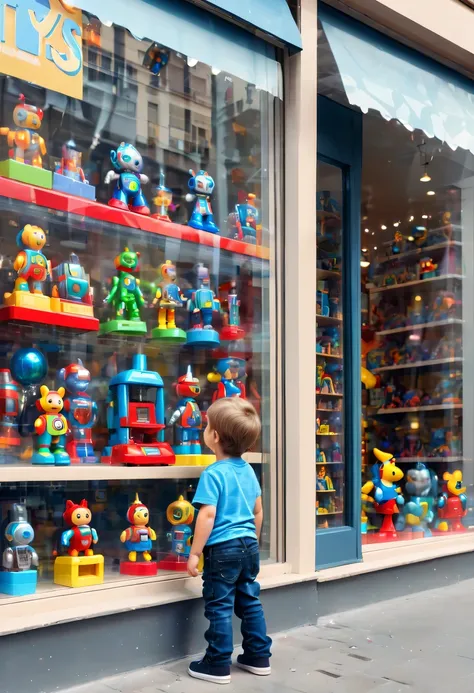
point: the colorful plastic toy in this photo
(232, 331)
(202, 304)
(324, 383)
(201, 185)
(125, 297)
(138, 540)
(19, 558)
(386, 495)
(69, 176)
(248, 219)
(75, 570)
(169, 298)
(29, 368)
(156, 58)
(180, 514)
(80, 412)
(162, 200)
(397, 245)
(71, 292)
(452, 504)
(421, 487)
(427, 268)
(26, 147)
(127, 165)
(9, 410)
(225, 373)
(51, 428)
(136, 418)
(322, 299)
(32, 270)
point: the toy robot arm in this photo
(66, 537)
(40, 425)
(378, 495)
(152, 534)
(34, 557)
(111, 176)
(367, 487)
(158, 295)
(463, 499)
(113, 290)
(144, 178)
(95, 536)
(94, 413)
(8, 559)
(175, 415)
(442, 501)
(42, 145)
(4, 131)
(139, 295)
(19, 262)
(125, 535)
(190, 197)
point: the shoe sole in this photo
(258, 671)
(208, 677)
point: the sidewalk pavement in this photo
(423, 643)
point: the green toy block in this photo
(170, 335)
(26, 173)
(131, 327)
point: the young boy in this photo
(227, 531)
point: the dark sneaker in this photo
(208, 672)
(255, 665)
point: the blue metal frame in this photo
(340, 144)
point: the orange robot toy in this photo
(25, 145)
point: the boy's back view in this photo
(227, 531)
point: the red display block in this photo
(172, 562)
(146, 454)
(47, 317)
(232, 333)
(141, 569)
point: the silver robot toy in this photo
(19, 533)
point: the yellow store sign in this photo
(41, 42)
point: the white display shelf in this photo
(418, 251)
(329, 394)
(328, 274)
(329, 464)
(428, 407)
(336, 512)
(328, 435)
(418, 364)
(336, 357)
(417, 282)
(326, 321)
(327, 490)
(423, 326)
(430, 460)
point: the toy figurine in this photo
(136, 418)
(225, 374)
(202, 304)
(80, 412)
(71, 292)
(31, 265)
(420, 235)
(128, 164)
(29, 368)
(322, 300)
(80, 537)
(156, 58)
(180, 514)
(387, 496)
(323, 481)
(324, 383)
(138, 540)
(320, 455)
(248, 219)
(418, 513)
(125, 296)
(19, 558)
(162, 200)
(452, 504)
(9, 410)
(427, 268)
(51, 428)
(232, 331)
(169, 298)
(201, 185)
(397, 245)
(69, 176)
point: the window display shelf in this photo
(327, 490)
(430, 460)
(417, 282)
(336, 512)
(326, 321)
(328, 464)
(329, 356)
(423, 326)
(427, 408)
(418, 251)
(328, 274)
(418, 364)
(61, 202)
(329, 394)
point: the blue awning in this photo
(381, 74)
(195, 33)
(272, 17)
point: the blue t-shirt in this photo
(232, 487)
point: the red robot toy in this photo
(452, 504)
(80, 537)
(9, 410)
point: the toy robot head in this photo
(228, 368)
(19, 532)
(128, 261)
(27, 116)
(187, 385)
(138, 514)
(31, 238)
(180, 512)
(168, 271)
(77, 514)
(419, 481)
(71, 153)
(201, 183)
(202, 274)
(51, 401)
(126, 158)
(387, 469)
(454, 483)
(75, 377)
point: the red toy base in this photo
(232, 333)
(47, 317)
(141, 569)
(173, 563)
(150, 454)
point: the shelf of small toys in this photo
(420, 283)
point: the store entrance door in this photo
(338, 319)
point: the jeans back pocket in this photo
(229, 569)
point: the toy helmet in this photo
(75, 369)
(187, 384)
(180, 512)
(29, 107)
(71, 507)
(136, 505)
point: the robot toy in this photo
(248, 220)
(226, 374)
(138, 540)
(387, 496)
(71, 292)
(180, 514)
(421, 488)
(452, 504)
(156, 58)
(162, 200)
(125, 296)
(127, 165)
(19, 558)
(201, 185)
(80, 537)
(168, 297)
(51, 428)
(31, 265)
(202, 304)
(232, 331)
(80, 412)
(26, 145)
(9, 410)
(69, 176)
(186, 418)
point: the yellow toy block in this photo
(24, 299)
(194, 460)
(79, 571)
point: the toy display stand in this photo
(71, 186)
(19, 583)
(24, 306)
(194, 460)
(173, 562)
(232, 333)
(139, 454)
(75, 309)
(201, 338)
(139, 568)
(172, 335)
(79, 571)
(131, 327)
(33, 175)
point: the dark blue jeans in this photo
(229, 585)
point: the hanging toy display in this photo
(19, 558)
(51, 428)
(127, 173)
(138, 538)
(201, 185)
(125, 297)
(180, 514)
(201, 306)
(169, 298)
(387, 495)
(80, 411)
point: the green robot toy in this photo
(125, 297)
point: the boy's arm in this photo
(258, 515)
(204, 526)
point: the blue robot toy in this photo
(226, 372)
(421, 489)
(127, 172)
(28, 367)
(202, 304)
(201, 185)
(187, 418)
(180, 514)
(248, 220)
(80, 412)
(19, 558)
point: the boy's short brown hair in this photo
(236, 422)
